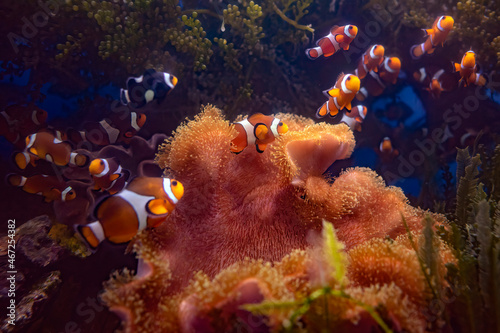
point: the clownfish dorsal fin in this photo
(260, 131)
(332, 30)
(157, 207)
(255, 116)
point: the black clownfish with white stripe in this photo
(150, 87)
(108, 175)
(144, 203)
(374, 84)
(259, 130)
(114, 129)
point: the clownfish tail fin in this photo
(314, 53)
(91, 234)
(322, 111)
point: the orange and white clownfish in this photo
(355, 117)
(375, 83)
(387, 150)
(389, 70)
(435, 80)
(115, 129)
(144, 203)
(436, 36)
(338, 38)
(340, 95)
(258, 130)
(370, 60)
(468, 70)
(107, 175)
(48, 186)
(45, 145)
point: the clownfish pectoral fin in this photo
(114, 176)
(358, 119)
(157, 207)
(349, 106)
(428, 32)
(339, 38)
(260, 131)
(375, 69)
(332, 92)
(261, 147)
(346, 47)
(457, 67)
(33, 151)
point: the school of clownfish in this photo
(375, 72)
(144, 202)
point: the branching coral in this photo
(250, 205)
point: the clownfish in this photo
(338, 38)
(468, 70)
(387, 150)
(257, 129)
(144, 203)
(370, 60)
(17, 121)
(149, 87)
(340, 95)
(435, 80)
(107, 175)
(375, 84)
(45, 145)
(355, 117)
(435, 36)
(112, 130)
(389, 70)
(48, 186)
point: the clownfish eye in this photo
(348, 78)
(350, 27)
(101, 163)
(174, 182)
(71, 193)
(389, 61)
(442, 17)
(280, 124)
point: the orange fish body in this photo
(338, 38)
(355, 117)
(387, 150)
(145, 203)
(435, 80)
(340, 95)
(468, 70)
(389, 70)
(435, 36)
(107, 175)
(45, 145)
(48, 186)
(258, 130)
(370, 60)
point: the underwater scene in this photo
(250, 166)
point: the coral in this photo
(33, 303)
(65, 237)
(250, 205)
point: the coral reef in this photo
(250, 205)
